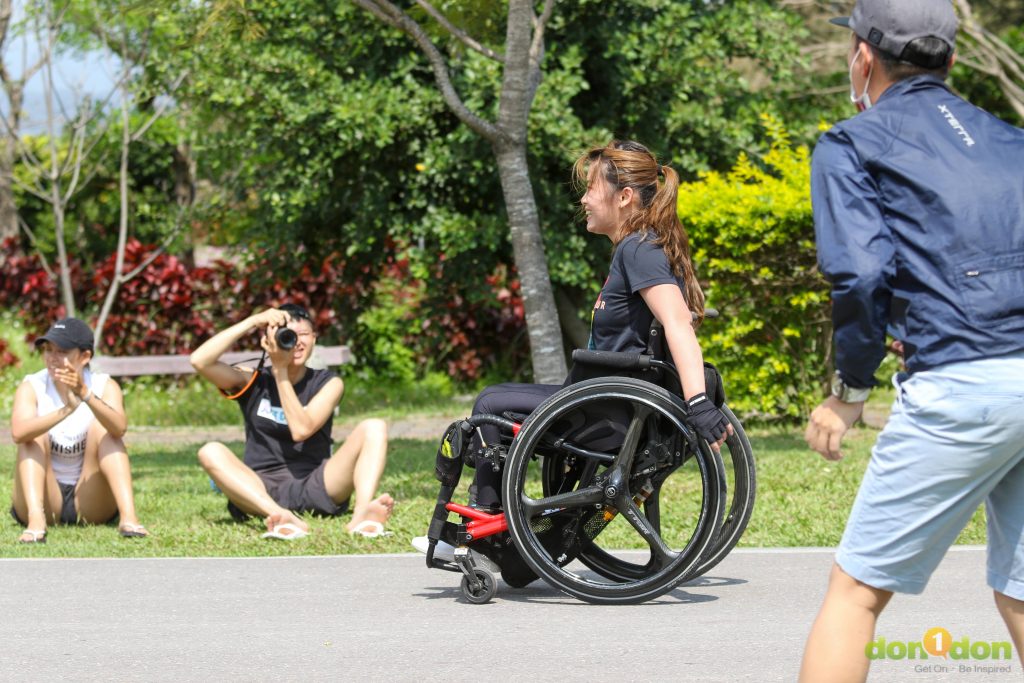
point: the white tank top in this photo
(67, 438)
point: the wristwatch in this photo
(847, 394)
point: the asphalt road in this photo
(388, 618)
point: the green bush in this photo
(753, 237)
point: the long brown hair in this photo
(624, 163)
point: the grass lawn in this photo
(802, 500)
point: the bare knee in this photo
(857, 593)
(36, 449)
(1009, 606)
(109, 444)
(99, 443)
(375, 428)
(211, 455)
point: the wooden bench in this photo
(135, 366)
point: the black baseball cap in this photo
(891, 25)
(69, 333)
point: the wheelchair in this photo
(608, 493)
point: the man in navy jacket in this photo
(919, 218)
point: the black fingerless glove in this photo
(708, 420)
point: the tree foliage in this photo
(311, 135)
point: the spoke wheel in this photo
(740, 483)
(561, 500)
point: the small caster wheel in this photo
(484, 592)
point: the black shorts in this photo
(68, 513)
(308, 494)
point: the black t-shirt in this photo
(621, 320)
(268, 443)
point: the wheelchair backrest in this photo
(623, 364)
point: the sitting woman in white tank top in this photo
(68, 423)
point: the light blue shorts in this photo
(955, 438)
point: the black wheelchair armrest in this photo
(617, 360)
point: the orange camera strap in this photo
(255, 374)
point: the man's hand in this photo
(828, 423)
(280, 358)
(897, 348)
(272, 317)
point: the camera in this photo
(286, 338)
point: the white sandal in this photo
(38, 536)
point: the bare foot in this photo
(275, 519)
(377, 510)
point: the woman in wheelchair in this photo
(630, 199)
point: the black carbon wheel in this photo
(609, 442)
(742, 482)
(740, 485)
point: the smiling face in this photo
(604, 205)
(55, 356)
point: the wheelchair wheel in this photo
(744, 487)
(740, 483)
(580, 468)
(485, 589)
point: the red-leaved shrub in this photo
(170, 307)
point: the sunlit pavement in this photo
(387, 617)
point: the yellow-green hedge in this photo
(753, 237)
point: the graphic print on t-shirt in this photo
(71, 452)
(598, 306)
(271, 412)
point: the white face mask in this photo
(863, 101)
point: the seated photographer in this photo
(630, 199)
(288, 409)
(68, 423)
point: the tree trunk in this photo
(8, 152)
(122, 227)
(528, 250)
(8, 209)
(524, 52)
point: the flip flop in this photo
(38, 535)
(369, 528)
(132, 531)
(294, 532)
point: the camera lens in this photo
(286, 338)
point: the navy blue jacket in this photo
(919, 217)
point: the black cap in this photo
(69, 333)
(891, 25)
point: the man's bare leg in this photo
(843, 628)
(243, 487)
(357, 468)
(1012, 611)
